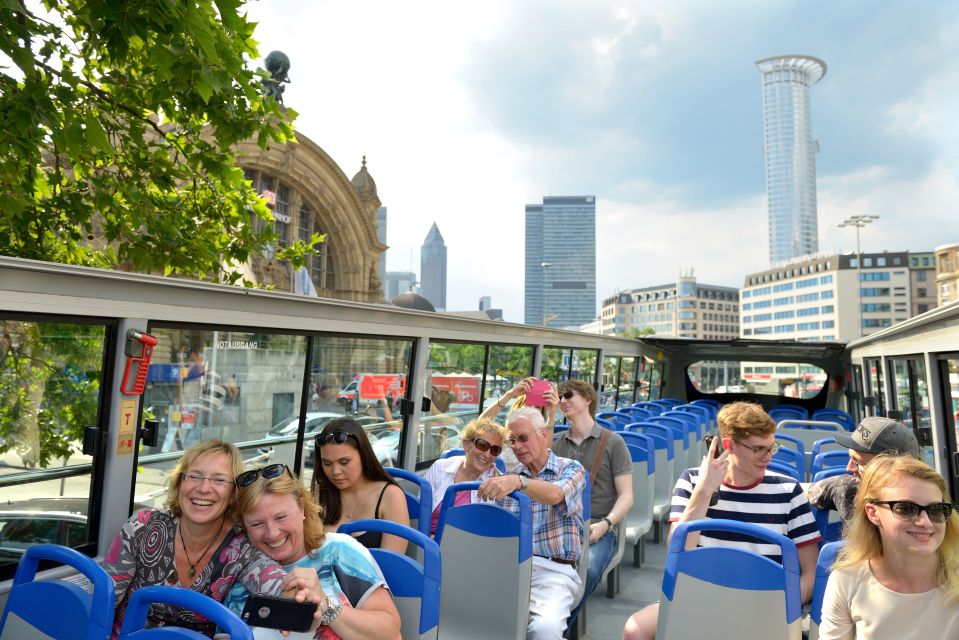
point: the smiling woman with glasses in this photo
(482, 444)
(193, 540)
(349, 483)
(898, 574)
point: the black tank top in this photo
(372, 539)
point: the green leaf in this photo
(96, 135)
(204, 89)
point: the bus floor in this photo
(606, 617)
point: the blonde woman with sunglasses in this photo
(283, 521)
(482, 444)
(898, 574)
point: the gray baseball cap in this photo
(878, 435)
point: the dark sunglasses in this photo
(337, 437)
(566, 395)
(484, 446)
(268, 472)
(512, 440)
(905, 510)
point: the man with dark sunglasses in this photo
(555, 487)
(873, 436)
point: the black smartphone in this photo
(285, 614)
(719, 446)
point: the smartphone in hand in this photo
(285, 614)
(719, 444)
(536, 390)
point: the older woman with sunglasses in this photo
(283, 521)
(482, 443)
(193, 541)
(898, 574)
(349, 483)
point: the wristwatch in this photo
(523, 483)
(333, 608)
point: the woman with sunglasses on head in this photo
(193, 541)
(898, 574)
(283, 521)
(349, 483)
(547, 404)
(482, 444)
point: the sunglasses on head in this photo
(268, 472)
(485, 446)
(337, 437)
(905, 510)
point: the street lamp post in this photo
(859, 222)
(546, 266)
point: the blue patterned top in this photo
(346, 569)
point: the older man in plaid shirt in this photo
(555, 487)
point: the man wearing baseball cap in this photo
(873, 436)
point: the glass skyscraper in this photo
(790, 154)
(433, 269)
(561, 261)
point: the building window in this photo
(920, 276)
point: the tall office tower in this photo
(561, 261)
(790, 154)
(381, 236)
(398, 282)
(485, 303)
(433, 269)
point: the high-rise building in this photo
(561, 261)
(433, 268)
(381, 236)
(398, 282)
(485, 302)
(790, 154)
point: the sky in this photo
(466, 111)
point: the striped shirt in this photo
(556, 528)
(776, 502)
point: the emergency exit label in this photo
(126, 432)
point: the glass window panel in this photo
(874, 386)
(50, 380)
(453, 378)
(627, 383)
(607, 395)
(900, 385)
(584, 365)
(507, 366)
(238, 386)
(364, 378)
(555, 364)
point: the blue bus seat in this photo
(694, 434)
(504, 542)
(830, 460)
(639, 520)
(792, 442)
(618, 420)
(829, 473)
(653, 408)
(680, 443)
(636, 413)
(827, 558)
(829, 524)
(826, 444)
(788, 412)
(787, 469)
(710, 401)
(704, 588)
(139, 606)
(674, 402)
(78, 614)
(415, 586)
(603, 422)
(835, 415)
(663, 440)
(419, 505)
(707, 414)
(560, 428)
(794, 458)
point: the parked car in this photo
(24, 523)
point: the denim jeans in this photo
(600, 555)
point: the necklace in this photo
(205, 551)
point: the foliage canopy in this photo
(117, 121)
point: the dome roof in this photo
(363, 182)
(410, 300)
